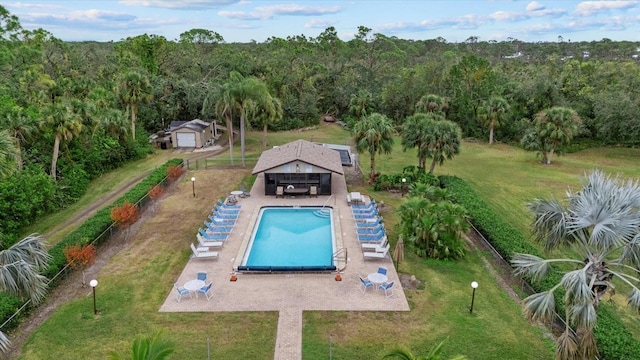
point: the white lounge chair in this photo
(203, 252)
(376, 254)
(208, 243)
(376, 246)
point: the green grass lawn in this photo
(507, 178)
(133, 289)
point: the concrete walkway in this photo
(290, 294)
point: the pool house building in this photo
(298, 165)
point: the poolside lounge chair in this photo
(203, 253)
(367, 206)
(227, 206)
(367, 215)
(364, 284)
(372, 237)
(204, 243)
(280, 191)
(226, 210)
(370, 230)
(364, 208)
(207, 236)
(206, 290)
(181, 292)
(369, 224)
(221, 215)
(375, 246)
(212, 228)
(222, 222)
(313, 191)
(387, 288)
(377, 254)
(371, 212)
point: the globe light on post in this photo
(404, 182)
(93, 283)
(474, 285)
(193, 186)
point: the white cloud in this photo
(588, 8)
(319, 24)
(179, 4)
(20, 5)
(243, 15)
(534, 6)
(298, 10)
(269, 12)
(507, 16)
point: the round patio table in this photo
(194, 285)
(237, 192)
(377, 278)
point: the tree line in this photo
(69, 111)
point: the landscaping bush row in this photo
(614, 341)
(91, 229)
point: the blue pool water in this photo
(291, 237)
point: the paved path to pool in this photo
(289, 294)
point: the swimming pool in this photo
(291, 239)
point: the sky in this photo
(246, 21)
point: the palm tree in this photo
(556, 126)
(434, 354)
(433, 224)
(432, 104)
(8, 154)
(374, 134)
(494, 111)
(251, 93)
(65, 124)
(114, 123)
(227, 105)
(442, 141)
(133, 89)
(20, 267)
(151, 347)
(269, 113)
(600, 222)
(416, 129)
(20, 126)
(361, 104)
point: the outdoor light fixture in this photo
(297, 167)
(404, 181)
(93, 283)
(474, 285)
(193, 186)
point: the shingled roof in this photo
(302, 150)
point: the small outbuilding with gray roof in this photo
(192, 134)
(299, 164)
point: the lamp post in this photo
(404, 182)
(93, 283)
(474, 285)
(193, 186)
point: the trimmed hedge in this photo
(91, 229)
(614, 341)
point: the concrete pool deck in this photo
(290, 294)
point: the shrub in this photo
(174, 172)
(156, 192)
